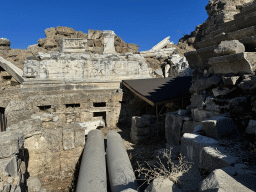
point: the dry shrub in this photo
(169, 170)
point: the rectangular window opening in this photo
(102, 104)
(102, 115)
(75, 105)
(44, 108)
(3, 120)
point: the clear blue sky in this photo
(143, 22)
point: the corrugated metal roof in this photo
(157, 91)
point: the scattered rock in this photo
(219, 180)
(230, 81)
(162, 185)
(251, 129)
(219, 127)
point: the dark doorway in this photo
(3, 119)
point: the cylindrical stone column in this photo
(92, 175)
(121, 175)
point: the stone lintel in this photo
(237, 63)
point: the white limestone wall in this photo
(85, 67)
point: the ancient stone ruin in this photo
(59, 96)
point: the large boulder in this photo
(229, 47)
(162, 185)
(5, 42)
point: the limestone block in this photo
(189, 126)
(173, 127)
(230, 80)
(219, 127)
(229, 47)
(68, 139)
(237, 63)
(221, 91)
(129, 190)
(140, 122)
(34, 184)
(197, 101)
(136, 139)
(146, 131)
(248, 84)
(5, 42)
(210, 105)
(109, 47)
(162, 185)
(219, 180)
(90, 125)
(162, 44)
(9, 166)
(215, 158)
(51, 139)
(31, 68)
(239, 105)
(158, 72)
(205, 83)
(79, 136)
(73, 45)
(28, 127)
(200, 115)
(192, 145)
(97, 34)
(251, 128)
(10, 143)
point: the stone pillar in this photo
(162, 44)
(109, 47)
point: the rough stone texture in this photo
(210, 104)
(219, 127)
(251, 129)
(247, 85)
(173, 127)
(34, 185)
(230, 80)
(28, 127)
(162, 185)
(218, 180)
(204, 83)
(239, 105)
(221, 91)
(10, 143)
(197, 101)
(215, 158)
(189, 126)
(90, 125)
(158, 72)
(192, 146)
(5, 42)
(142, 128)
(86, 67)
(237, 63)
(200, 115)
(229, 47)
(9, 167)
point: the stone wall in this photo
(219, 12)
(50, 134)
